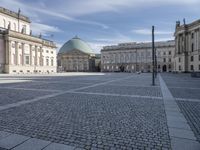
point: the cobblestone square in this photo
(111, 111)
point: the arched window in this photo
(4, 23)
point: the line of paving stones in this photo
(114, 89)
(180, 132)
(92, 121)
(191, 111)
(9, 141)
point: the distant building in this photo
(20, 52)
(76, 56)
(134, 57)
(187, 53)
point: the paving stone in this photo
(4, 134)
(180, 133)
(32, 144)
(179, 125)
(184, 144)
(12, 141)
(55, 146)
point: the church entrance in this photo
(164, 68)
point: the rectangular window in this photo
(191, 58)
(192, 47)
(47, 62)
(164, 59)
(191, 67)
(27, 62)
(179, 59)
(169, 59)
(51, 62)
(169, 52)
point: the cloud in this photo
(149, 32)
(82, 8)
(43, 29)
(33, 10)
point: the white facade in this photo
(133, 57)
(21, 52)
(187, 54)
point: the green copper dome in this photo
(76, 44)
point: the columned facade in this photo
(187, 53)
(20, 52)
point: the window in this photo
(24, 29)
(47, 51)
(179, 59)
(164, 53)
(199, 57)
(169, 66)
(164, 59)
(191, 67)
(199, 67)
(192, 47)
(52, 62)
(51, 52)
(47, 61)
(169, 59)
(179, 68)
(27, 60)
(169, 52)
(191, 58)
(192, 35)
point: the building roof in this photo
(14, 14)
(135, 45)
(76, 44)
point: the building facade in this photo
(76, 56)
(20, 51)
(187, 51)
(135, 57)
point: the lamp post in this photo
(153, 58)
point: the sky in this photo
(105, 22)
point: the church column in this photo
(23, 53)
(16, 53)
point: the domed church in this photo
(76, 56)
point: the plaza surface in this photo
(99, 111)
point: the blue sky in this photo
(105, 22)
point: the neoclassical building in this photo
(20, 51)
(76, 56)
(187, 52)
(134, 57)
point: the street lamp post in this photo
(153, 58)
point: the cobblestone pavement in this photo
(88, 111)
(191, 111)
(85, 120)
(187, 92)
